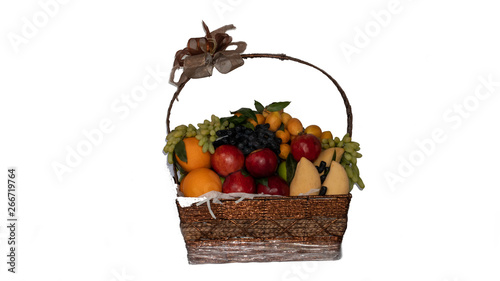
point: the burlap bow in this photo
(201, 55)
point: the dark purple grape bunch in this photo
(248, 140)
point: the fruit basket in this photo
(295, 225)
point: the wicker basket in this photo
(265, 229)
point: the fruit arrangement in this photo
(262, 151)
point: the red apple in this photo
(261, 163)
(227, 159)
(275, 186)
(238, 182)
(307, 146)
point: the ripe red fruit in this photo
(238, 182)
(307, 146)
(227, 159)
(275, 186)
(261, 163)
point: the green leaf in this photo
(181, 172)
(291, 165)
(262, 181)
(247, 112)
(236, 119)
(259, 107)
(180, 151)
(244, 172)
(282, 127)
(277, 106)
(178, 166)
(249, 125)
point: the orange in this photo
(283, 135)
(200, 181)
(313, 130)
(196, 158)
(284, 150)
(294, 126)
(285, 117)
(260, 119)
(326, 135)
(181, 187)
(274, 120)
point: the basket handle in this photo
(280, 57)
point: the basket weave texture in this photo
(264, 229)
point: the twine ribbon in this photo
(202, 54)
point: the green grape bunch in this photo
(205, 133)
(349, 159)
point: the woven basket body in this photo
(264, 229)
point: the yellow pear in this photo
(327, 156)
(336, 181)
(306, 178)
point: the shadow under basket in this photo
(270, 228)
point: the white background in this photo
(416, 71)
